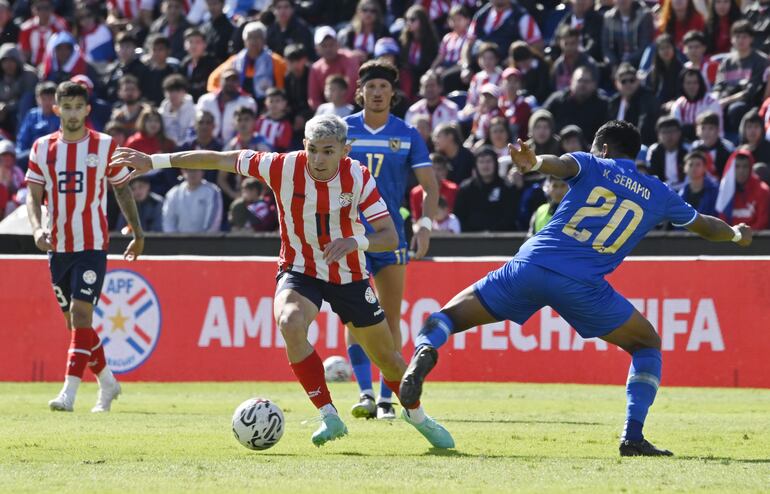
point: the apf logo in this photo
(127, 319)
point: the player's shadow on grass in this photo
(508, 421)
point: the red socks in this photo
(310, 374)
(98, 361)
(395, 387)
(79, 352)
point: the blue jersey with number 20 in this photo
(609, 208)
(390, 153)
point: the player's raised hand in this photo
(42, 240)
(134, 249)
(339, 248)
(139, 161)
(522, 156)
(746, 235)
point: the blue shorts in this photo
(375, 261)
(519, 289)
(77, 275)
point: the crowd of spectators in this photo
(166, 75)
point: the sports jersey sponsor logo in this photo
(128, 320)
(346, 199)
(89, 277)
(395, 144)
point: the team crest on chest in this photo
(395, 144)
(92, 160)
(346, 199)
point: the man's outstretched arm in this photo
(716, 230)
(201, 160)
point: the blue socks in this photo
(362, 368)
(641, 387)
(386, 394)
(435, 332)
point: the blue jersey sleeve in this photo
(418, 151)
(679, 212)
(584, 161)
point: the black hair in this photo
(69, 89)
(191, 32)
(701, 83)
(244, 110)
(742, 27)
(708, 118)
(485, 151)
(175, 82)
(294, 52)
(274, 91)
(622, 137)
(694, 36)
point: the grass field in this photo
(510, 438)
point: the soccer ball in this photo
(337, 369)
(258, 423)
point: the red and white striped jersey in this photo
(312, 213)
(130, 9)
(74, 175)
(477, 82)
(277, 133)
(687, 111)
(445, 112)
(33, 37)
(451, 48)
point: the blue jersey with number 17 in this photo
(389, 152)
(609, 208)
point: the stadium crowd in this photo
(167, 75)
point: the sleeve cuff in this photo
(687, 223)
(423, 164)
(377, 216)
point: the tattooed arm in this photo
(127, 204)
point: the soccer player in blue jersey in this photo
(391, 149)
(608, 209)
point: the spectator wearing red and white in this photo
(419, 41)
(570, 59)
(366, 27)
(503, 22)
(445, 220)
(274, 125)
(332, 60)
(743, 197)
(438, 9)
(695, 100)
(223, 103)
(450, 50)
(257, 67)
(487, 109)
(438, 109)
(95, 38)
(695, 51)
(36, 31)
(490, 73)
(123, 12)
(63, 59)
(447, 188)
(514, 103)
(498, 138)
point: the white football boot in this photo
(107, 393)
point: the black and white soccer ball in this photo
(337, 369)
(258, 423)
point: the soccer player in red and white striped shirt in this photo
(69, 169)
(320, 193)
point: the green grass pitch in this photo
(510, 438)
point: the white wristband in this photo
(161, 160)
(362, 241)
(738, 235)
(538, 164)
(425, 222)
